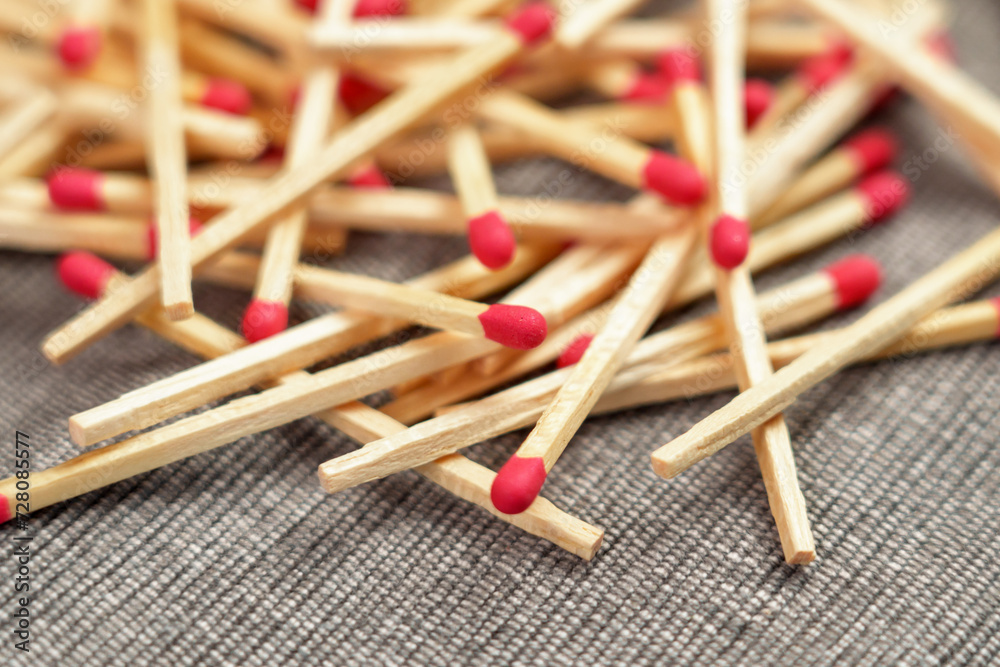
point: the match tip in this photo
(855, 278)
(75, 189)
(758, 95)
(228, 96)
(818, 71)
(491, 240)
(678, 65)
(995, 301)
(574, 351)
(647, 88)
(677, 180)
(153, 236)
(532, 22)
(264, 319)
(308, 5)
(942, 45)
(379, 8)
(78, 47)
(517, 484)
(884, 193)
(729, 241)
(369, 176)
(358, 94)
(873, 149)
(517, 327)
(84, 273)
(5, 513)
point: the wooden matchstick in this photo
(619, 158)
(167, 158)
(427, 212)
(299, 347)
(517, 327)
(267, 313)
(885, 324)
(728, 238)
(200, 335)
(352, 142)
(276, 25)
(490, 237)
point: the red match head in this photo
(995, 301)
(517, 327)
(729, 242)
(679, 66)
(533, 22)
(574, 351)
(359, 94)
(883, 194)
(79, 47)
(309, 5)
(855, 278)
(5, 513)
(678, 181)
(941, 44)
(264, 319)
(517, 484)
(873, 149)
(76, 189)
(818, 71)
(84, 274)
(647, 88)
(366, 8)
(491, 240)
(228, 96)
(369, 176)
(758, 96)
(153, 238)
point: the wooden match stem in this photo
(164, 133)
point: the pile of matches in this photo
(116, 113)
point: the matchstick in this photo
(87, 276)
(842, 285)
(352, 142)
(277, 25)
(490, 237)
(267, 313)
(866, 152)
(728, 246)
(885, 324)
(167, 158)
(620, 159)
(298, 347)
(34, 153)
(80, 42)
(406, 37)
(517, 327)
(427, 212)
(690, 102)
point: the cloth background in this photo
(237, 557)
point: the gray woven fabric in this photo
(236, 557)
